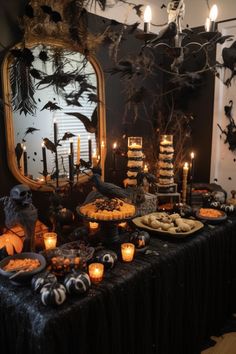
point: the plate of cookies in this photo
(169, 224)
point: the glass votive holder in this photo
(127, 252)
(166, 139)
(93, 226)
(96, 271)
(135, 142)
(50, 240)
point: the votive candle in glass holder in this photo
(96, 271)
(93, 226)
(135, 142)
(50, 240)
(166, 140)
(127, 252)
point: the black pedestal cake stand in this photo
(108, 233)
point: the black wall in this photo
(200, 104)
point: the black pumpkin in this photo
(140, 239)
(77, 282)
(53, 294)
(107, 258)
(41, 279)
(183, 210)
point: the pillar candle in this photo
(192, 165)
(44, 159)
(55, 131)
(184, 185)
(147, 18)
(71, 168)
(72, 150)
(114, 148)
(90, 148)
(25, 161)
(94, 158)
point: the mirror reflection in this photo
(55, 113)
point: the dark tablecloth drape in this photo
(165, 302)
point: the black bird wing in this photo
(51, 105)
(85, 120)
(67, 136)
(112, 191)
(30, 130)
(49, 145)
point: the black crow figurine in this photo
(109, 190)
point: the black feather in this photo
(49, 145)
(109, 190)
(67, 136)
(30, 130)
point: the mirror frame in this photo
(8, 113)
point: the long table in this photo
(165, 302)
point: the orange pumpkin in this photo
(11, 242)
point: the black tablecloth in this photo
(165, 302)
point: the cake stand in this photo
(108, 233)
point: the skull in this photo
(219, 196)
(21, 194)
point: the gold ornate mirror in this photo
(54, 109)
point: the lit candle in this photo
(94, 158)
(93, 226)
(192, 155)
(145, 168)
(45, 171)
(50, 240)
(166, 139)
(90, 148)
(127, 252)
(147, 18)
(123, 225)
(96, 271)
(78, 151)
(22, 160)
(72, 150)
(207, 25)
(184, 183)
(25, 161)
(114, 148)
(213, 16)
(56, 156)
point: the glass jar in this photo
(135, 142)
(166, 140)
